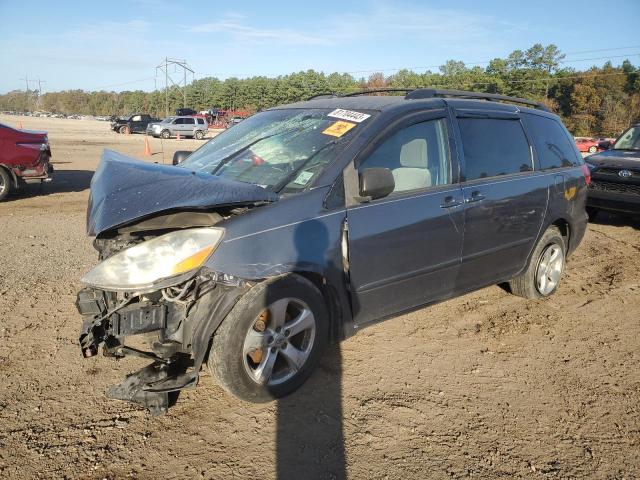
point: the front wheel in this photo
(166, 134)
(124, 129)
(593, 149)
(271, 340)
(542, 275)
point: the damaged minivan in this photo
(307, 222)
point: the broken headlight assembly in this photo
(161, 262)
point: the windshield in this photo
(629, 140)
(284, 150)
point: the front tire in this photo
(166, 134)
(546, 265)
(122, 130)
(593, 149)
(5, 184)
(271, 340)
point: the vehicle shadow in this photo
(616, 219)
(63, 181)
(309, 436)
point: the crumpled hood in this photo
(615, 159)
(124, 190)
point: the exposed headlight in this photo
(156, 263)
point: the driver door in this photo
(405, 249)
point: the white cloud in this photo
(241, 32)
(392, 22)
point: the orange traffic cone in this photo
(178, 137)
(19, 125)
(147, 147)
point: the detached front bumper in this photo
(178, 324)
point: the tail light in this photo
(587, 173)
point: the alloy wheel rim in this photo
(279, 342)
(549, 269)
(2, 185)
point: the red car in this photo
(588, 145)
(25, 157)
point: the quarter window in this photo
(417, 155)
(552, 144)
(493, 146)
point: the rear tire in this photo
(544, 271)
(5, 184)
(258, 362)
(199, 135)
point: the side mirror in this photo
(180, 155)
(376, 183)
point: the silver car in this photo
(185, 126)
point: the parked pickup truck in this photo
(136, 123)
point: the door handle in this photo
(450, 202)
(475, 197)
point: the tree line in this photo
(597, 101)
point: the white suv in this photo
(185, 126)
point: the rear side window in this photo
(552, 145)
(189, 121)
(493, 146)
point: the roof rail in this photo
(323, 95)
(377, 90)
(491, 97)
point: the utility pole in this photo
(26, 92)
(164, 68)
(26, 82)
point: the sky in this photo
(116, 45)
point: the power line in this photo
(125, 83)
(428, 67)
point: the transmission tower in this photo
(177, 65)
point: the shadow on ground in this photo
(63, 181)
(617, 219)
(310, 440)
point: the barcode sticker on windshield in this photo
(303, 178)
(339, 128)
(349, 115)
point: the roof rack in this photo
(421, 93)
(377, 90)
(491, 97)
(323, 95)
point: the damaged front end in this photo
(177, 323)
(155, 227)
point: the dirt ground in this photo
(487, 385)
